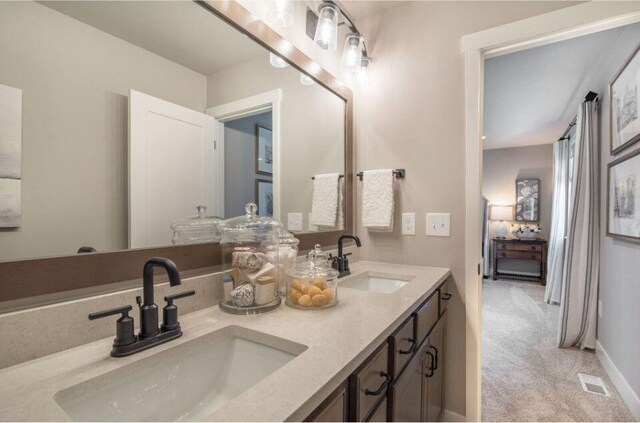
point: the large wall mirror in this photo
(121, 118)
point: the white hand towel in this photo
(377, 200)
(324, 205)
(340, 220)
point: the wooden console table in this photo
(520, 249)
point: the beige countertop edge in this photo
(338, 340)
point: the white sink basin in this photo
(187, 382)
(376, 282)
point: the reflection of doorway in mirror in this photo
(246, 169)
(248, 130)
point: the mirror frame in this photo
(43, 280)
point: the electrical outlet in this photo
(438, 224)
(294, 221)
(600, 309)
(408, 223)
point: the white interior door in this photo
(172, 167)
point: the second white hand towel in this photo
(377, 200)
(324, 205)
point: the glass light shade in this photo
(501, 212)
(362, 72)
(277, 61)
(327, 29)
(306, 79)
(281, 12)
(352, 54)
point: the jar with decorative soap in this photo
(249, 245)
(312, 284)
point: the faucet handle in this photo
(170, 311)
(124, 325)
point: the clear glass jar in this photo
(196, 229)
(312, 284)
(250, 245)
(287, 255)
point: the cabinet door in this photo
(434, 375)
(333, 409)
(406, 393)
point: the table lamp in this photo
(501, 213)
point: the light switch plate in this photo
(408, 223)
(294, 221)
(438, 224)
(312, 227)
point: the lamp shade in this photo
(501, 212)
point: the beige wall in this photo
(312, 126)
(501, 168)
(76, 81)
(413, 117)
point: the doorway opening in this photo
(530, 101)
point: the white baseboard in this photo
(450, 416)
(626, 392)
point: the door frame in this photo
(574, 21)
(249, 106)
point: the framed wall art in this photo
(264, 197)
(623, 209)
(527, 200)
(264, 150)
(624, 97)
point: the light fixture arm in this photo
(349, 22)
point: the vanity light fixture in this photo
(362, 73)
(277, 61)
(352, 54)
(306, 79)
(326, 35)
(281, 12)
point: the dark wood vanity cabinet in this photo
(403, 379)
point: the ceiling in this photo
(180, 31)
(529, 95)
(360, 9)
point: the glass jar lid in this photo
(198, 222)
(250, 227)
(288, 240)
(316, 265)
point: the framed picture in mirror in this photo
(624, 97)
(623, 210)
(264, 197)
(527, 200)
(264, 150)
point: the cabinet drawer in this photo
(426, 317)
(380, 415)
(520, 247)
(369, 383)
(445, 296)
(403, 345)
(520, 255)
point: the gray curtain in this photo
(555, 258)
(578, 302)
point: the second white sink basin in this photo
(187, 382)
(376, 282)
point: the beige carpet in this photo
(524, 376)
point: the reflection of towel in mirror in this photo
(324, 205)
(340, 221)
(377, 200)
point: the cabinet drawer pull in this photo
(382, 387)
(411, 348)
(431, 369)
(446, 297)
(435, 366)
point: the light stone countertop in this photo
(338, 340)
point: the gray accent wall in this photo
(239, 162)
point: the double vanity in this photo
(376, 356)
